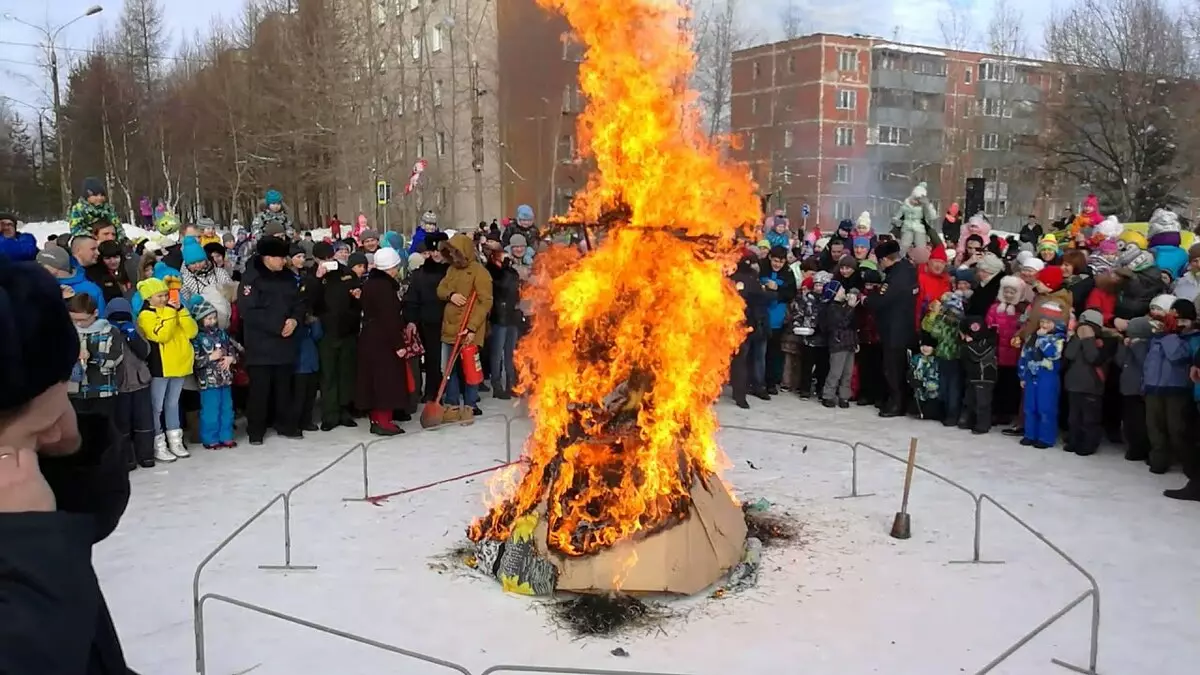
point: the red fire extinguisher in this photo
(472, 368)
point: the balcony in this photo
(1009, 91)
(1008, 125)
(910, 119)
(903, 79)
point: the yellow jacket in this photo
(170, 334)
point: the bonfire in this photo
(631, 343)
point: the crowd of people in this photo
(1080, 335)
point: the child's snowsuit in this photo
(1084, 380)
(1041, 359)
(216, 385)
(980, 371)
(923, 376)
(814, 356)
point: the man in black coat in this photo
(271, 309)
(757, 298)
(895, 309)
(423, 308)
(63, 487)
(335, 291)
(505, 321)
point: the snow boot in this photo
(161, 453)
(1188, 493)
(175, 442)
(451, 414)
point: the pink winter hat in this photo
(1107, 247)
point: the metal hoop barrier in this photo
(200, 666)
(853, 448)
(567, 671)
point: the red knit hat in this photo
(1053, 311)
(1051, 276)
(938, 253)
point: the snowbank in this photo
(43, 231)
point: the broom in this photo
(432, 413)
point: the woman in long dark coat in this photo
(382, 385)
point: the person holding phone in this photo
(335, 294)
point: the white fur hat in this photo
(920, 191)
(1024, 257)
(1110, 228)
(1013, 282)
(1163, 302)
(864, 218)
(1162, 220)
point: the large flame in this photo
(631, 343)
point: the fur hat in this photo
(109, 249)
(1051, 276)
(38, 343)
(1093, 318)
(1185, 309)
(990, 264)
(214, 247)
(386, 259)
(368, 234)
(272, 247)
(274, 229)
(1163, 303)
(1015, 283)
(887, 249)
(322, 251)
(192, 251)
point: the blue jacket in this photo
(1168, 359)
(777, 310)
(309, 334)
(21, 248)
(418, 239)
(209, 374)
(82, 285)
(1173, 259)
(1041, 354)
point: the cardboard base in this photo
(684, 559)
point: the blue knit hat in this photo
(864, 242)
(829, 292)
(524, 212)
(192, 251)
(273, 197)
(199, 308)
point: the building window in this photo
(844, 137)
(416, 48)
(566, 148)
(841, 209)
(1000, 208)
(929, 67)
(753, 105)
(570, 100)
(441, 143)
(420, 146)
(893, 136)
(989, 141)
(886, 62)
(990, 71)
(992, 107)
(788, 138)
(846, 99)
(791, 63)
(967, 75)
(437, 93)
(848, 60)
(843, 174)
(756, 70)
(572, 48)
(753, 140)
(435, 38)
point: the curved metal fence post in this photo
(449, 665)
(978, 542)
(1034, 633)
(567, 671)
(508, 423)
(197, 615)
(815, 437)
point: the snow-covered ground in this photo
(847, 599)
(42, 231)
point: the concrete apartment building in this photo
(851, 123)
(484, 92)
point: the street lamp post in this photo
(476, 117)
(51, 35)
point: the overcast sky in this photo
(907, 20)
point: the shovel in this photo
(432, 413)
(902, 524)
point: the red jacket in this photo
(930, 287)
(1103, 302)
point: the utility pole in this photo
(477, 137)
(51, 35)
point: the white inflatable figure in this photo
(912, 216)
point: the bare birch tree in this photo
(719, 33)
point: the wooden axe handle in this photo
(908, 473)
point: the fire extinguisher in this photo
(472, 368)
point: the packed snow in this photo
(845, 599)
(909, 49)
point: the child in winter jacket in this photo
(1168, 391)
(814, 355)
(1005, 317)
(215, 354)
(869, 360)
(836, 324)
(1185, 312)
(1041, 359)
(980, 355)
(308, 376)
(1131, 357)
(169, 327)
(942, 322)
(923, 376)
(1086, 354)
(100, 352)
(133, 413)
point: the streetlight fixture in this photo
(51, 36)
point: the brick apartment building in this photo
(850, 123)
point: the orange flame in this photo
(631, 343)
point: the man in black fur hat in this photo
(895, 309)
(63, 487)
